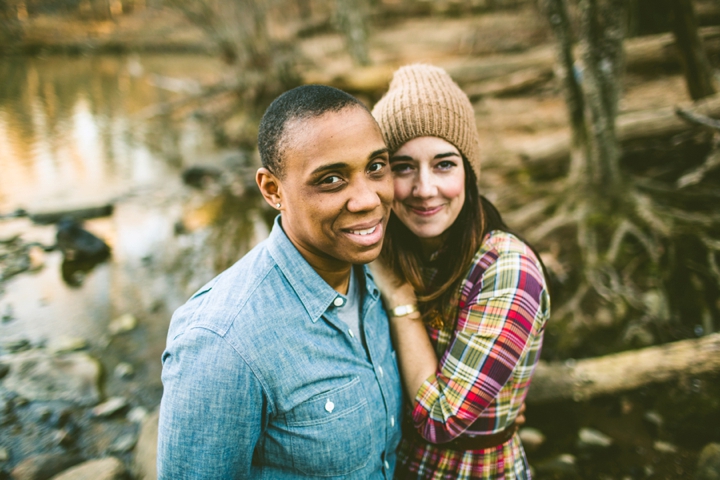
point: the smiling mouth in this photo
(425, 211)
(367, 236)
(367, 231)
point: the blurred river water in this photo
(75, 132)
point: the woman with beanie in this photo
(468, 299)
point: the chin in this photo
(366, 256)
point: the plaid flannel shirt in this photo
(486, 363)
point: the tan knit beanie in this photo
(424, 101)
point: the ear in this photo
(270, 187)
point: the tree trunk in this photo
(352, 21)
(698, 72)
(602, 34)
(661, 122)
(101, 9)
(611, 374)
(557, 13)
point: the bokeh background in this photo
(133, 123)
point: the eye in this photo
(401, 168)
(446, 165)
(376, 166)
(330, 180)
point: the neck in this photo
(335, 273)
(431, 245)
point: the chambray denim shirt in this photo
(262, 380)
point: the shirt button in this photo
(380, 371)
(392, 420)
(387, 465)
(351, 333)
(338, 302)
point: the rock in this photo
(4, 369)
(200, 176)
(8, 315)
(709, 463)
(563, 464)
(39, 376)
(4, 455)
(36, 254)
(123, 323)
(80, 212)
(65, 344)
(42, 467)
(109, 468)
(137, 415)
(531, 438)
(15, 345)
(653, 418)
(589, 438)
(124, 443)
(109, 407)
(146, 449)
(78, 244)
(664, 447)
(124, 371)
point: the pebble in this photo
(709, 463)
(664, 447)
(531, 438)
(654, 418)
(109, 468)
(590, 438)
(137, 415)
(16, 345)
(124, 370)
(65, 344)
(109, 407)
(43, 466)
(563, 464)
(4, 454)
(124, 443)
(8, 316)
(123, 323)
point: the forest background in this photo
(597, 120)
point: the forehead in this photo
(348, 135)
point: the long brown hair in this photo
(403, 254)
(438, 297)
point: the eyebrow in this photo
(341, 165)
(397, 158)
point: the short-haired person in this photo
(281, 367)
(481, 292)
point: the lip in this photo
(424, 211)
(368, 239)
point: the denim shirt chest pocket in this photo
(330, 432)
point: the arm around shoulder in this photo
(211, 412)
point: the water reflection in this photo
(72, 134)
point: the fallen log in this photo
(661, 122)
(641, 52)
(78, 212)
(584, 379)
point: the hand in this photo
(394, 291)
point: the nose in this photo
(364, 197)
(424, 186)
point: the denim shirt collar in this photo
(315, 293)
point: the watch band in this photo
(403, 310)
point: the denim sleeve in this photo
(211, 410)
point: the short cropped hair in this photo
(307, 101)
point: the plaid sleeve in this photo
(491, 334)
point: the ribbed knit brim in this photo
(423, 100)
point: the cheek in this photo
(454, 188)
(402, 188)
